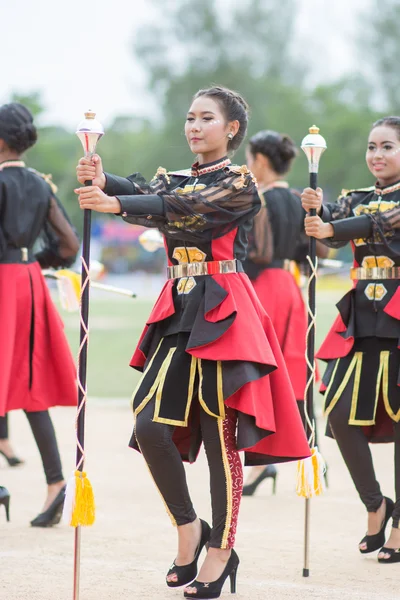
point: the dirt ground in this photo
(126, 553)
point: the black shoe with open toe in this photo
(374, 542)
(394, 555)
(213, 589)
(187, 573)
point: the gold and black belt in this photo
(359, 273)
(212, 267)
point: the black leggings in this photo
(166, 467)
(354, 446)
(45, 437)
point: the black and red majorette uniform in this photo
(208, 342)
(36, 366)
(362, 347)
(277, 243)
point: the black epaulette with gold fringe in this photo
(246, 176)
(345, 192)
(48, 179)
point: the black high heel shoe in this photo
(394, 555)
(186, 573)
(270, 471)
(374, 542)
(51, 516)
(5, 500)
(13, 461)
(213, 589)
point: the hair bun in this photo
(287, 148)
(280, 149)
(16, 127)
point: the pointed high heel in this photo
(13, 461)
(374, 542)
(270, 471)
(186, 573)
(213, 589)
(5, 500)
(51, 516)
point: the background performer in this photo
(361, 381)
(36, 367)
(277, 247)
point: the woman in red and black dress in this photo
(36, 367)
(213, 370)
(277, 245)
(361, 381)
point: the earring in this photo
(230, 136)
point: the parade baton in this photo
(79, 500)
(69, 287)
(310, 474)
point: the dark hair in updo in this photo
(393, 122)
(234, 107)
(16, 127)
(279, 148)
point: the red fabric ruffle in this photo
(250, 337)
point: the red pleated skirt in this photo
(37, 370)
(282, 299)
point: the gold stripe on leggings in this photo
(228, 479)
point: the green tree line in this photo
(248, 48)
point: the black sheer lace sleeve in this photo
(230, 201)
(346, 227)
(135, 184)
(341, 209)
(261, 246)
(386, 222)
(59, 241)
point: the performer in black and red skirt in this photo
(36, 367)
(277, 247)
(213, 369)
(361, 381)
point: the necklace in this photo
(273, 184)
(11, 163)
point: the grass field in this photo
(116, 324)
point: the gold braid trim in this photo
(48, 179)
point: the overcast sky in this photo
(78, 54)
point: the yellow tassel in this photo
(74, 278)
(83, 512)
(310, 475)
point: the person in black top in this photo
(203, 380)
(278, 246)
(36, 367)
(361, 381)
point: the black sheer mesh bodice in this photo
(31, 215)
(194, 209)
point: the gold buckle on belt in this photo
(24, 252)
(359, 273)
(201, 268)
